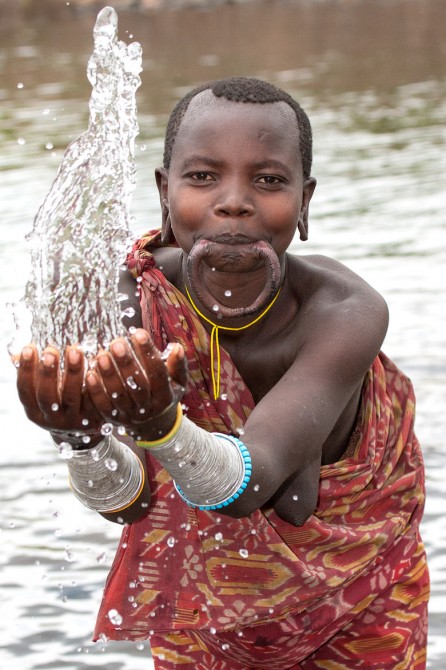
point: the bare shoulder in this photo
(337, 304)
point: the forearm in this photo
(109, 478)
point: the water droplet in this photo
(122, 430)
(131, 382)
(256, 487)
(215, 308)
(54, 407)
(170, 541)
(140, 646)
(85, 422)
(19, 84)
(228, 293)
(111, 464)
(107, 429)
(95, 454)
(224, 396)
(129, 312)
(49, 146)
(86, 439)
(295, 497)
(213, 630)
(225, 646)
(114, 394)
(65, 451)
(142, 410)
(21, 141)
(115, 617)
(45, 112)
(68, 555)
(218, 537)
(244, 553)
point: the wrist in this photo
(78, 439)
(160, 426)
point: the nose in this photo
(233, 201)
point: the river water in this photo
(373, 78)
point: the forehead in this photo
(210, 120)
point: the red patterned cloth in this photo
(347, 589)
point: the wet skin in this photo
(236, 176)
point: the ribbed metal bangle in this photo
(210, 470)
(107, 478)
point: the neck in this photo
(227, 292)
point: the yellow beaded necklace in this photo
(215, 342)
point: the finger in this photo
(177, 365)
(26, 383)
(73, 377)
(47, 382)
(155, 369)
(113, 385)
(133, 376)
(98, 395)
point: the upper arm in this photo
(287, 429)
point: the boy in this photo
(277, 524)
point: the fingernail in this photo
(104, 362)
(73, 356)
(27, 353)
(118, 349)
(141, 336)
(48, 360)
(91, 380)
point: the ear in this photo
(162, 182)
(307, 193)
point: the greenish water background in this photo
(372, 76)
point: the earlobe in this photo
(302, 227)
(162, 182)
(302, 224)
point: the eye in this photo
(270, 180)
(200, 176)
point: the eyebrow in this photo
(195, 159)
(267, 163)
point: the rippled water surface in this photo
(373, 78)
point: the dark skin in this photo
(304, 362)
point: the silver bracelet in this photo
(210, 470)
(106, 478)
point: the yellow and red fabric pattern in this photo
(348, 589)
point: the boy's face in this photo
(236, 170)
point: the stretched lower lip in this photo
(225, 246)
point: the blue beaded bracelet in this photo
(247, 470)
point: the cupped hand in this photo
(136, 386)
(53, 398)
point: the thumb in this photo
(176, 364)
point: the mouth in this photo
(233, 253)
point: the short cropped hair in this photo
(243, 89)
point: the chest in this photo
(261, 361)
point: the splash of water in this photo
(81, 231)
